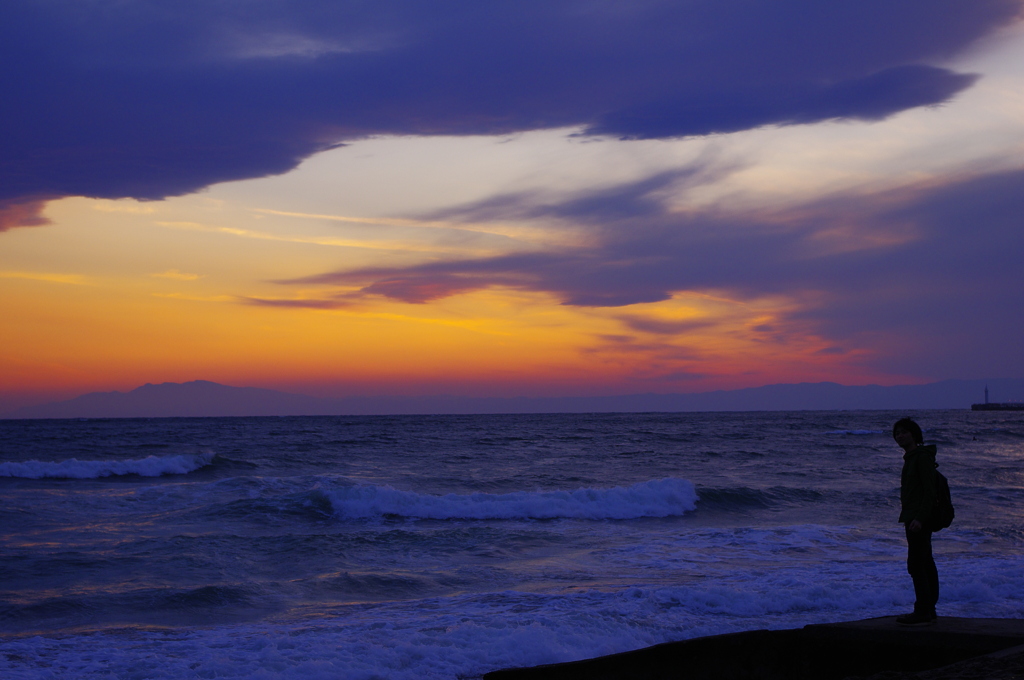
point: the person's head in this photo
(908, 425)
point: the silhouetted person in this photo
(917, 498)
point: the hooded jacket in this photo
(917, 485)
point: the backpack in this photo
(942, 511)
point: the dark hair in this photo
(910, 426)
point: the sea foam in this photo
(667, 497)
(153, 466)
(469, 634)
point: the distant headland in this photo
(200, 398)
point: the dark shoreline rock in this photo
(878, 649)
(1006, 664)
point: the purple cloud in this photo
(661, 326)
(730, 109)
(150, 99)
(954, 289)
(23, 212)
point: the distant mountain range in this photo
(204, 398)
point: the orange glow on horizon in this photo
(108, 297)
(121, 332)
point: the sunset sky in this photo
(537, 198)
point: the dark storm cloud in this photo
(945, 281)
(873, 97)
(149, 99)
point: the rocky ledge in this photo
(879, 649)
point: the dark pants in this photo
(922, 569)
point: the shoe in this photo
(916, 619)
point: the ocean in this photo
(413, 547)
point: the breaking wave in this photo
(656, 498)
(153, 466)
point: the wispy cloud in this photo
(70, 279)
(297, 303)
(354, 307)
(664, 326)
(520, 232)
(921, 260)
(329, 241)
